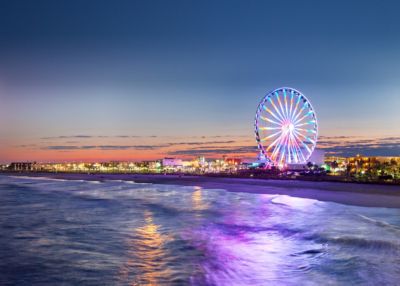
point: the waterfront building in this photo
(383, 167)
(172, 163)
(22, 166)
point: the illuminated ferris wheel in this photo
(286, 127)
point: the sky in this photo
(137, 80)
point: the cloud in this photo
(393, 139)
(139, 136)
(26, 146)
(328, 143)
(333, 145)
(336, 137)
(99, 147)
(201, 143)
(215, 151)
(350, 146)
(131, 147)
(67, 137)
(94, 136)
(134, 147)
(61, 148)
(352, 150)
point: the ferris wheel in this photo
(286, 127)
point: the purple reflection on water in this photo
(242, 247)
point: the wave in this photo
(367, 243)
(356, 242)
(126, 182)
(136, 183)
(293, 202)
(381, 223)
(40, 178)
(55, 179)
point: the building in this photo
(4, 167)
(172, 163)
(317, 158)
(22, 166)
(374, 166)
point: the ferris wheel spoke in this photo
(270, 128)
(291, 104)
(282, 156)
(306, 130)
(277, 147)
(289, 158)
(286, 103)
(280, 103)
(298, 140)
(295, 147)
(269, 120)
(284, 144)
(311, 140)
(275, 142)
(312, 131)
(293, 150)
(303, 117)
(301, 141)
(305, 137)
(289, 147)
(273, 114)
(297, 134)
(298, 113)
(281, 147)
(270, 136)
(282, 118)
(305, 105)
(295, 109)
(307, 148)
(297, 152)
(275, 153)
(299, 149)
(305, 123)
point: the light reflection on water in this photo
(147, 254)
(118, 233)
(197, 200)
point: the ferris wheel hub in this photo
(288, 127)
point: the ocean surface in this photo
(56, 232)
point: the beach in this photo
(368, 195)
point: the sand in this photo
(369, 195)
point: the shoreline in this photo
(367, 195)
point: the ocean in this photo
(64, 232)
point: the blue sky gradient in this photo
(193, 68)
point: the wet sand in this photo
(369, 195)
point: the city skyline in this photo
(135, 81)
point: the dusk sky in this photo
(134, 80)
